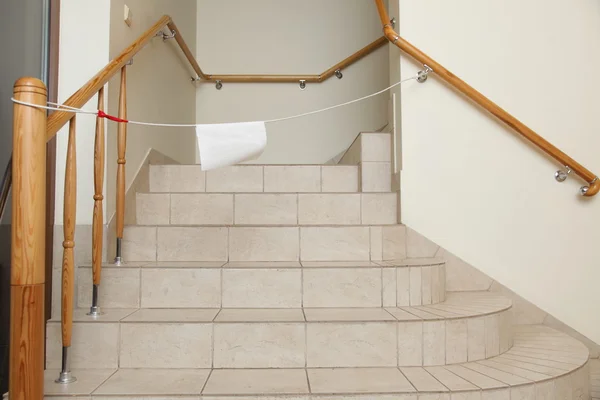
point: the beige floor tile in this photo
(376, 243)
(262, 288)
(389, 287)
(376, 147)
(287, 178)
(525, 392)
(235, 179)
(266, 209)
(166, 345)
(434, 343)
(173, 315)
(533, 363)
(177, 178)
(264, 244)
(422, 380)
(410, 344)
(456, 341)
(481, 380)
(94, 345)
(358, 380)
(349, 287)
(181, 288)
(139, 243)
(379, 208)
(339, 178)
(476, 339)
(347, 314)
(403, 286)
(192, 244)
(260, 315)
(507, 378)
(394, 242)
(402, 315)
(329, 209)
(376, 176)
(257, 381)
(335, 244)
(155, 382)
(450, 380)
(423, 313)
(88, 380)
(259, 345)
(336, 344)
(152, 208)
(518, 371)
(263, 264)
(201, 209)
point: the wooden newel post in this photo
(28, 242)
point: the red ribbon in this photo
(102, 114)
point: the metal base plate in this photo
(65, 378)
(95, 312)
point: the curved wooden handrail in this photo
(593, 182)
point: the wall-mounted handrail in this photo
(592, 180)
(328, 73)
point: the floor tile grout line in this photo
(205, 383)
(104, 381)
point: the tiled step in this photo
(263, 243)
(255, 179)
(287, 284)
(466, 327)
(554, 368)
(228, 209)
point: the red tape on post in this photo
(102, 114)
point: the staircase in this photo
(293, 282)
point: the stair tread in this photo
(547, 346)
(407, 262)
(458, 305)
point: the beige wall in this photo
(159, 87)
(84, 43)
(292, 37)
(472, 186)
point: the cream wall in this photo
(471, 185)
(159, 88)
(84, 44)
(292, 37)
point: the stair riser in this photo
(356, 243)
(254, 179)
(283, 345)
(267, 209)
(265, 288)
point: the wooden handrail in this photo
(593, 182)
(368, 49)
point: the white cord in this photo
(62, 107)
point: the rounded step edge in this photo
(467, 327)
(557, 369)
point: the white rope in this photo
(62, 107)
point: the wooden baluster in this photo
(121, 149)
(98, 221)
(68, 271)
(28, 253)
